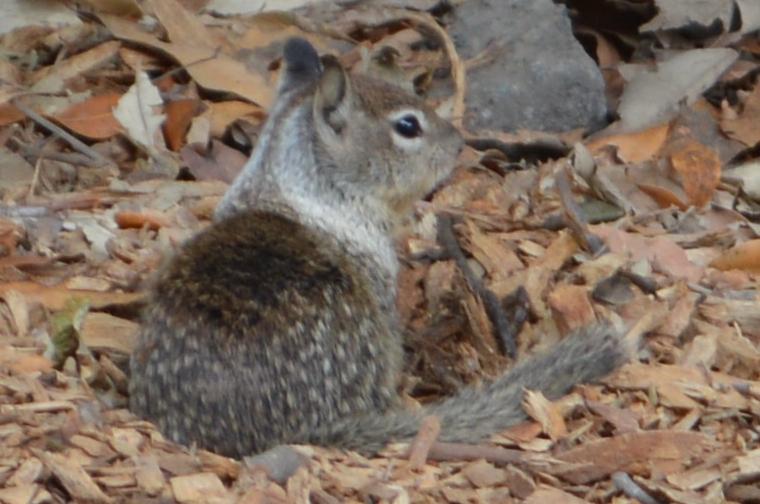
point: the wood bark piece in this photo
(197, 488)
(420, 448)
(74, 479)
(602, 457)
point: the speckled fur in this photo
(277, 323)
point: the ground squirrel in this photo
(277, 323)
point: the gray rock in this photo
(539, 77)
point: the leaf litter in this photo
(121, 128)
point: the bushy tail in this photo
(475, 413)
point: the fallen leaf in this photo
(744, 256)
(635, 147)
(137, 113)
(92, 118)
(665, 198)
(652, 97)
(699, 168)
(55, 297)
(51, 79)
(208, 67)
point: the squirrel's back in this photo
(258, 329)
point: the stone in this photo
(537, 75)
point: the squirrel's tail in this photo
(475, 413)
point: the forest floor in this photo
(118, 138)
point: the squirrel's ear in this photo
(301, 64)
(331, 99)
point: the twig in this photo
(423, 442)
(625, 484)
(68, 137)
(453, 452)
(17, 212)
(74, 158)
(574, 216)
(504, 330)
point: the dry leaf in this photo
(652, 97)
(744, 256)
(92, 118)
(137, 113)
(635, 147)
(179, 115)
(699, 168)
(208, 67)
(50, 79)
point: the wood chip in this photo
(520, 484)
(18, 494)
(197, 488)
(91, 446)
(484, 474)
(126, 441)
(749, 464)
(73, 478)
(148, 475)
(28, 472)
(546, 413)
(605, 456)
(553, 495)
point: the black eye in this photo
(408, 126)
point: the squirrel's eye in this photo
(408, 126)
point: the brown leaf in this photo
(206, 65)
(664, 197)
(744, 256)
(634, 147)
(150, 219)
(92, 118)
(179, 115)
(55, 297)
(51, 78)
(699, 168)
(9, 114)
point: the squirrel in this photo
(277, 323)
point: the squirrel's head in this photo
(379, 142)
